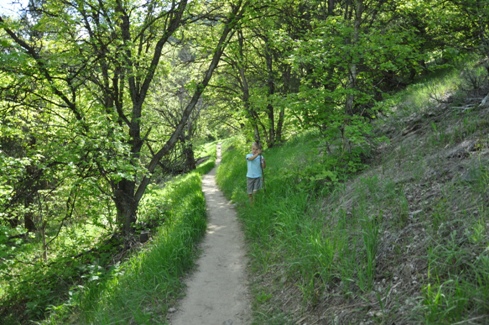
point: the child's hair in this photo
(257, 144)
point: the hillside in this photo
(405, 241)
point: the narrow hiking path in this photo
(217, 291)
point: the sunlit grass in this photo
(147, 283)
(141, 288)
(420, 96)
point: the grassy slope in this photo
(139, 289)
(404, 242)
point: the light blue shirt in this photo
(254, 166)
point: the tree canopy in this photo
(98, 97)
(81, 73)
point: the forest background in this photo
(103, 103)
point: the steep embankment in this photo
(403, 242)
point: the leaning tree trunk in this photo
(126, 194)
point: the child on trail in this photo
(255, 170)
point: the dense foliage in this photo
(101, 99)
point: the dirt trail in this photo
(217, 292)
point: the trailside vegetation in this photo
(110, 282)
(101, 102)
(402, 240)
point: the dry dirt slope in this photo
(437, 162)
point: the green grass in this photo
(405, 240)
(141, 289)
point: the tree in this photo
(256, 70)
(92, 63)
(351, 57)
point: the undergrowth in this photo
(403, 240)
(115, 280)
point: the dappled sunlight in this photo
(212, 229)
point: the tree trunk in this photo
(330, 7)
(280, 126)
(188, 153)
(245, 89)
(271, 92)
(352, 79)
(126, 205)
